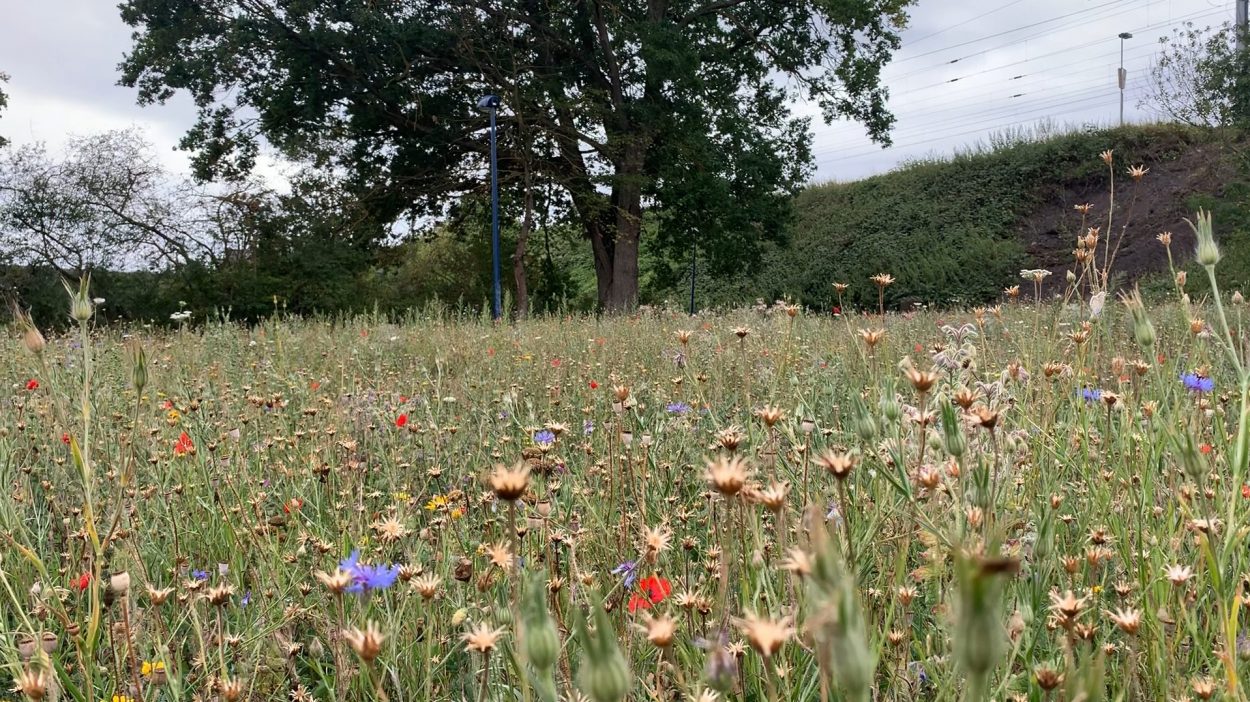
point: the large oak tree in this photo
(680, 106)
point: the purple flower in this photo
(199, 574)
(545, 437)
(374, 577)
(368, 577)
(247, 599)
(1091, 394)
(588, 427)
(677, 408)
(349, 564)
(628, 569)
(1197, 383)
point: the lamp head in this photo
(488, 103)
(1126, 35)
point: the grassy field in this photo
(1031, 501)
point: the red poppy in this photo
(594, 385)
(1161, 359)
(81, 582)
(314, 385)
(837, 310)
(657, 588)
(65, 438)
(1245, 491)
(919, 348)
(401, 420)
(654, 590)
(1205, 448)
(167, 405)
(555, 363)
(292, 505)
(183, 445)
(403, 399)
(32, 384)
(490, 351)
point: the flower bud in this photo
(542, 643)
(890, 409)
(604, 674)
(80, 305)
(952, 433)
(1208, 251)
(138, 361)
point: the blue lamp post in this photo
(490, 104)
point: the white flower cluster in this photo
(181, 316)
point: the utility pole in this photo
(1243, 22)
(1123, 75)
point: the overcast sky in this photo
(967, 68)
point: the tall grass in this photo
(1025, 501)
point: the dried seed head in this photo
(659, 630)
(427, 586)
(766, 636)
(32, 683)
(770, 416)
(510, 484)
(1128, 620)
(774, 498)
(727, 475)
(336, 582)
(872, 337)
(838, 464)
(368, 643)
(482, 639)
(1047, 678)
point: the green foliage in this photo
(682, 104)
(944, 244)
(1202, 78)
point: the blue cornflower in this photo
(1197, 383)
(199, 574)
(349, 564)
(677, 408)
(628, 569)
(1091, 394)
(546, 437)
(247, 599)
(368, 577)
(588, 427)
(374, 577)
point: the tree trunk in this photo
(518, 256)
(622, 289)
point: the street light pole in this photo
(490, 103)
(1122, 74)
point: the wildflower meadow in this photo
(1032, 500)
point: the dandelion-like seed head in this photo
(727, 475)
(510, 484)
(366, 643)
(482, 638)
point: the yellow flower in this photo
(1096, 589)
(435, 503)
(457, 513)
(401, 496)
(150, 667)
